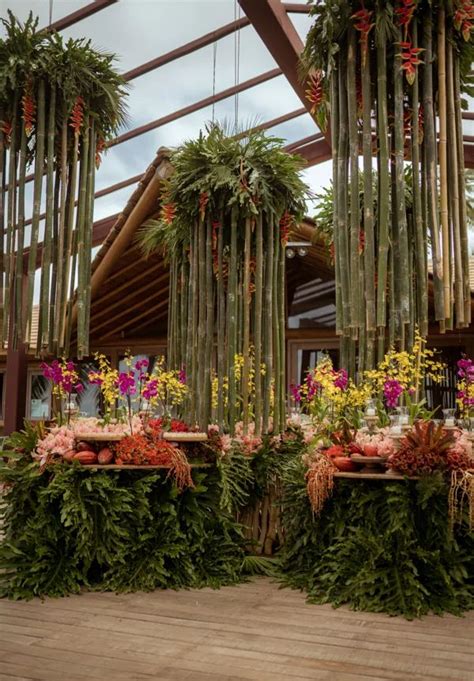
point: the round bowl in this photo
(344, 464)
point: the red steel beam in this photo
(201, 104)
(79, 15)
(296, 7)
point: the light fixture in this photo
(300, 248)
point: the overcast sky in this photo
(139, 30)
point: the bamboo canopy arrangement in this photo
(59, 104)
(386, 72)
(225, 218)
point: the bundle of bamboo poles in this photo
(225, 218)
(387, 72)
(59, 102)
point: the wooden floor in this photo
(254, 631)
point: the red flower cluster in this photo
(77, 115)
(464, 18)
(315, 92)
(168, 212)
(286, 223)
(176, 426)
(410, 60)
(405, 13)
(29, 109)
(363, 23)
(99, 148)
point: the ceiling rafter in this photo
(79, 15)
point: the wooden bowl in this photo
(344, 463)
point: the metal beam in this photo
(296, 7)
(273, 25)
(79, 15)
(191, 108)
(188, 48)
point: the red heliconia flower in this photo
(168, 212)
(464, 18)
(29, 109)
(363, 24)
(286, 222)
(315, 91)
(410, 60)
(77, 115)
(99, 148)
(405, 13)
(203, 201)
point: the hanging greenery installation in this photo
(387, 72)
(226, 214)
(60, 102)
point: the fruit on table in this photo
(85, 457)
(84, 447)
(343, 463)
(371, 450)
(69, 455)
(105, 456)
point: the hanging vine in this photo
(414, 58)
(59, 104)
(225, 218)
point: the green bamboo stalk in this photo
(60, 283)
(232, 317)
(354, 205)
(258, 321)
(43, 327)
(246, 301)
(184, 306)
(282, 331)
(334, 148)
(443, 171)
(209, 344)
(70, 244)
(193, 324)
(268, 316)
(221, 340)
(11, 213)
(81, 255)
(342, 246)
(19, 332)
(462, 194)
(399, 208)
(54, 264)
(201, 315)
(277, 350)
(369, 239)
(89, 229)
(383, 189)
(396, 337)
(454, 188)
(420, 246)
(171, 313)
(429, 143)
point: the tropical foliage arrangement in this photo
(60, 102)
(402, 64)
(225, 218)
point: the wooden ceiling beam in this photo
(296, 7)
(125, 311)
(133, 321)
(135, 291)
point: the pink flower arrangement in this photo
(381, 439)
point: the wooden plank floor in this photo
(251, 632)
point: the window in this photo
(39, 397)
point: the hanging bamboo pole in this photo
(70, 246)
(282, 331)
(11, 213)
(399, 209)
(462, 195)
(232, 318)
(209, 325)
(277, 350)
(430, 169)
(454, 186)
(369, 238)
(62, 226)
(43, 327)
(268, 315)
(342, 183)
(19, 332)
(54, 262)
(258, 300)
(443, 166)
(246, 301)
(420, 245)
(221, 349)
(354, 241)
(334, 148)
(81, 236)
